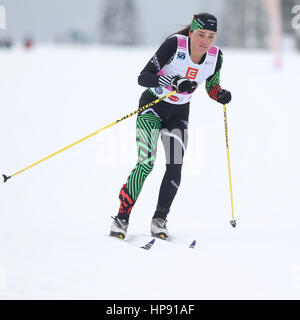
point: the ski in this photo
(150, 244)
(169, 239)
(146, 246)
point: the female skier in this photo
(182, 63)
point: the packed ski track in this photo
(55, 217)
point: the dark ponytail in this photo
(184, 31)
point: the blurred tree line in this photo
(242, 23)
(245, 23)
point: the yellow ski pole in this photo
(90, 135)
(233, 221)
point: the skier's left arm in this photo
(213, 87)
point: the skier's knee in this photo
(173, 171)
(146, 168)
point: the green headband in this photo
(195, 25)
(204, 21)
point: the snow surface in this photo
(55, 217)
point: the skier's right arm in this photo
(165, 54)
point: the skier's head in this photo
(202, 32)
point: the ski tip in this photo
(148, 245)
(193, 244)
(233, 223)
(152, 241)
(5, 177)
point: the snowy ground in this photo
(55, 218)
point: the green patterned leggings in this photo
(148, 128)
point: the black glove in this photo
(224, 96)
(194, 86)
(181, 84)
